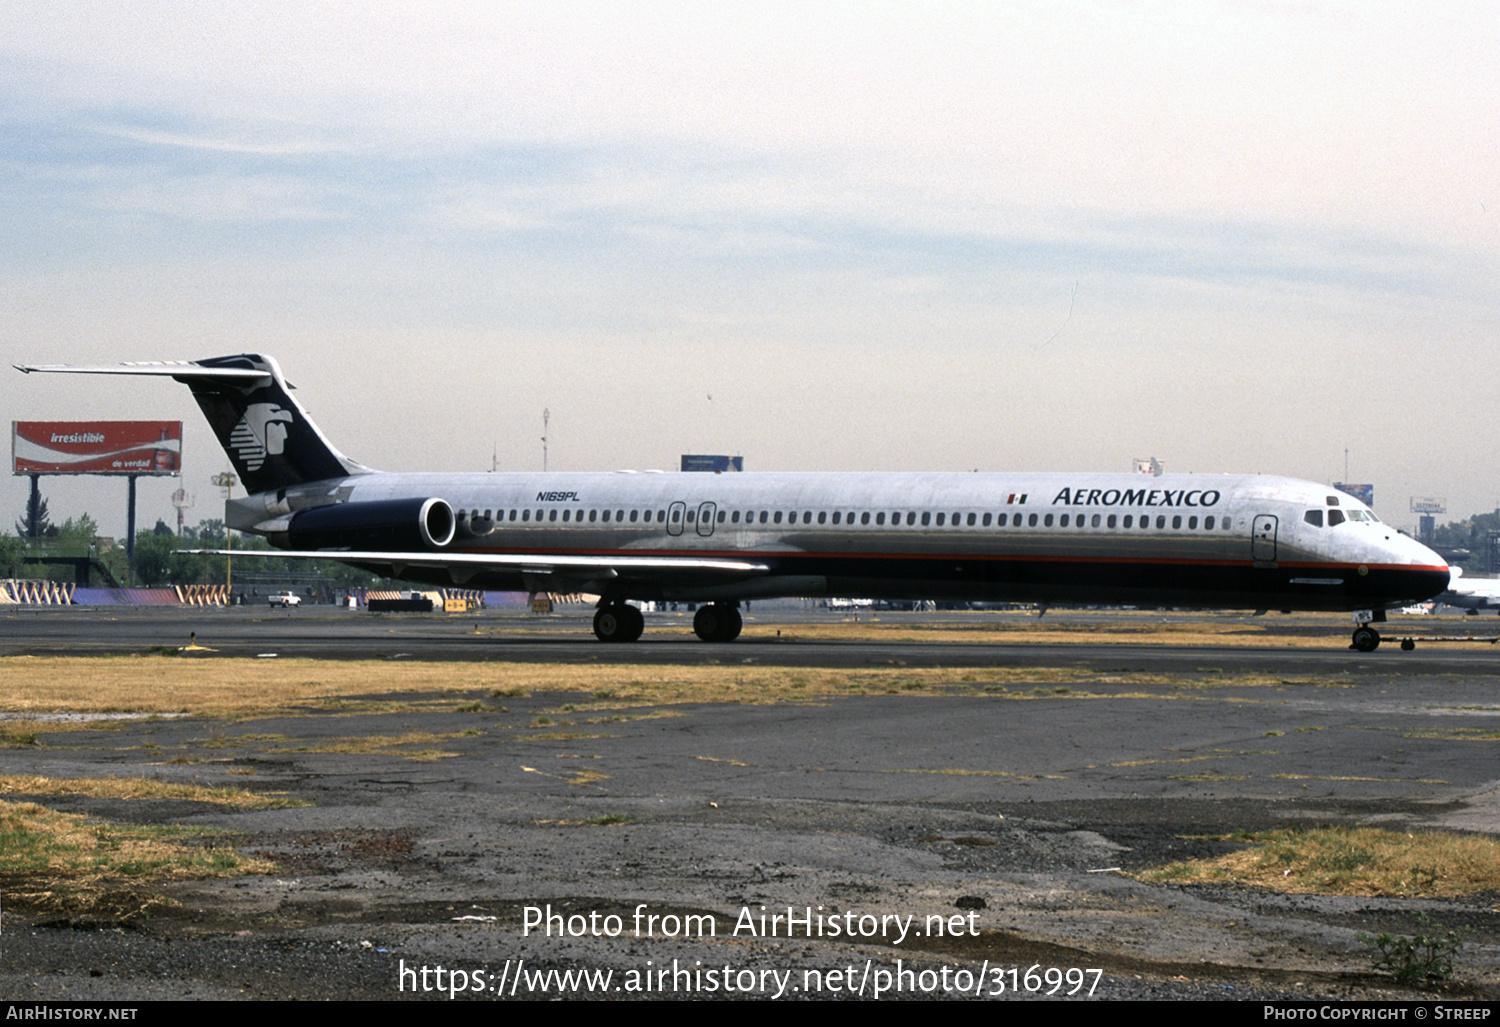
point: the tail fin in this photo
(268, 436)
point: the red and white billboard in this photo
(96, 447)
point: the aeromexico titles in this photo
(1208, 541)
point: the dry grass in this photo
(143, 788)
(1142, 627)
(64, 863)
(236, 689)
(1349, 861)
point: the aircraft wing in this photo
(552, 572)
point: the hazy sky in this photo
(1035, 236)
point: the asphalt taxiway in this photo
(774, 637)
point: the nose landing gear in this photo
(1366, 639)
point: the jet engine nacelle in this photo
(391, 524)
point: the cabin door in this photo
(1263, 539)
(706, 519)
(676, 513)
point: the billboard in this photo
(1364, 492)
(96, 447)
(712, 463)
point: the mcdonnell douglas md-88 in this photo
(1209, 541)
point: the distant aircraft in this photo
(1208, 541)
(1471, 594)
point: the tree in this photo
(44, 526)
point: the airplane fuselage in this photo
(1195, 540)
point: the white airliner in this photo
(1471, 594)
(1210, 541)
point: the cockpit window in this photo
(1314, 517)
(1335, 517)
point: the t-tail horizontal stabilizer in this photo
(268, 436)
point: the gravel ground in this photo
(1016, 825)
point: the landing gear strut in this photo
(618, 622)
(719, 622)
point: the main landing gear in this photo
(719, 622)
(618, 622)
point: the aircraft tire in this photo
(717, 623)
(618, 622)
(635, 624)
(734, 623)
(1366, 639)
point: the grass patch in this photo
(232, 689)
(1349, 861)
(67, 864)
(143, 788)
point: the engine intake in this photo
(390, 524)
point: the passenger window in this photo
(926, 518)
(1129, 521)
(1161, 521)
(836, 517)
(911, 518)
(1061, 521)
(1001, 519)
(940, 520)
(1094, 521)
(1111, 520)
(1192, 522)
(633, 515)
(1176, 521)
(986, 520)
(721, 516)
(971, 519)
(525, 515)
(776, 519)
(880, 518)
(1031, 521)
(764, 517)
(864, 518)
(1047, 521)
(822, 516)
(1335, 517)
